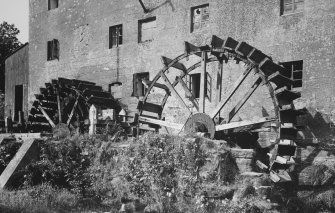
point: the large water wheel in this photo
(66, 102)
(174, 103)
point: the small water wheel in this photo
(180, 98)
(66, 102)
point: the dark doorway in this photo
(195, 80)
(18, 101)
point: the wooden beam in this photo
(166, 61)
(72, 111)
(203, 82)
(245, 98)
(219, 83)
(188, 93)
(59, 107)
(238, 124)
(47, 117)
(161, 123)
(173, 90)
(230, 94)
(143, 6)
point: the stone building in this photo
(17, 81)
(116, 43)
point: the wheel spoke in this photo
(203, 82)
(189, 94)
(47, 116)
(72, 111)
(173, 90)
(231, 93)
(161, 123)
(238, 124)
(245, 98)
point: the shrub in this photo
(7, 152)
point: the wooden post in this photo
(8, 124)
(203, 82)
(219, 83)
(93, 119)
(59, 107)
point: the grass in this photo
(162, 172)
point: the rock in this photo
(244, 165)
(316, 175)
(243, 153)
(263, 191)
(154, 208)
(61, 131)
(243, 192)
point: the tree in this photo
(8, 43)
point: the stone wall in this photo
(82, 28)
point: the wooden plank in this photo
(203, 82)
(166, 61)
(59, 108)
(192, 48)
(72, 111)
(95, 93)
(28, 151)
(230, 44)
(147, 83)
(280, 80)
(287, 95)
(231, 93)
(189, 94)
(238, 124)
(219, 83)
(161, 123)
(217, 43)
(245, 98)
(172, 89)
(244, 49)
(47, 117)
(269, 67)
(83, 86)
(150, 107)
(100, 101)
(256, 56)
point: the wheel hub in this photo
(200, 122)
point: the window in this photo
(139, 88)
(194, 85)
(294, 72)
(115, 36)
(199, 17)
(291, 6)
(53, 50)
(52, 4)
(147, 29)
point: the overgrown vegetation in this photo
(160, 173)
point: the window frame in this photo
(53, 50)
(137, 83)
(192, 16)
(50, 6)
(118, 29)
(293, 4)
(140, 23)
(295, 72)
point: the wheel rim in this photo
(269, 74)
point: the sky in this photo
(16, 12)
